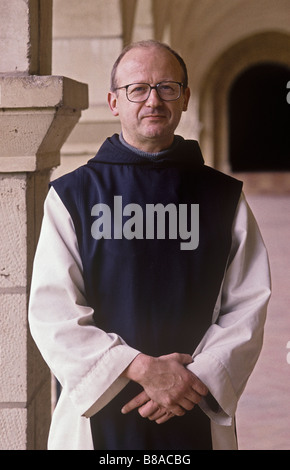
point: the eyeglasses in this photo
(140, 92)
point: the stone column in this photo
(37, 113)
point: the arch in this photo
(259, 119)
(263, 48)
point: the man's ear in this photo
(112, 101)
(186, 98)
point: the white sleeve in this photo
(85, 360)
(230, 348)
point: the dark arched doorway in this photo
(259, 120)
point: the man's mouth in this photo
(154, 116)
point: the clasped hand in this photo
(169, 388)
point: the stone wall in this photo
(37, 113)
(86, 42)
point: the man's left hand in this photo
(147, 408)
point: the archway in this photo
(265, 49)
(259, 119)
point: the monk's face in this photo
(149, 125)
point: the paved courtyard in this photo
(263, 418)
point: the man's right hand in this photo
(167, 384)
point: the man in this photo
(151, 280)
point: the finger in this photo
(161, 413)
(157, 415)
(199, 387)
(136, 402)
(177, 410)
(164, 418)
(192, 396)
(184, 358)
(188, 404)
(149, 409)
(153, 412)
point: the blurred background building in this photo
(238, 58)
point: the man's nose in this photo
(153, 99)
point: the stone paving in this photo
(263, 417)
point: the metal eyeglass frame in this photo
(150, 89)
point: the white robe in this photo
(88, 362)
